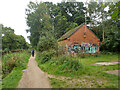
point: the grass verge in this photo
(11, 81)
(13, 64)
(90, 76)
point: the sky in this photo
(12, 14)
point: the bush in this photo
(75, 65)
(6, 50)
(62, 65)
(46, 42)
(60, 50)
(62, 59)
(47, 55)
(68, 63)
(12, 60)
(82, 56)
(29, 50)
(106, 53)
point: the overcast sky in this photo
(12, 14)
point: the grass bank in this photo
(12, 66)
(87, 75)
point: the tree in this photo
(38, 20)
(73, 11)
(5, 30)
(92, 12)
(60, 26)
(46, 42)
(57, 18)
(115, 10)
(98, 15)
(11, 41)
(111, 35)
(112, 38)
(65, 16)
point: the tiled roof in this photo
(69, 33)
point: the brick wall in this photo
(78, 37)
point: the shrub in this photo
(106, 53)
(68, 63)
(82, 56)
(29, 50)
(47, 55)
(62, 59)
(6, 50)
(46, 42)
(12, 60)
(59, 50)
(75, 65)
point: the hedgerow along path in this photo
(33, 76)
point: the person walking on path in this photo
(33, 52)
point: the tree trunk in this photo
(103, 34)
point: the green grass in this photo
(105, 58)
(12, 80)
(90, 72)
(16, 61)
(57, 83)
(0, 81)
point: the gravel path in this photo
(33, 76)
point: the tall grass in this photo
(59, 65)
(12, 66)
(82, 68)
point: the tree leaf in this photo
(118, 4)
(115, 13)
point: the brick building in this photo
(80, 36)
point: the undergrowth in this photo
(12, 66)
(61, 65)
(81, 67)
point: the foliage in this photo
(61, 17)
(12, 66)
(64, 64)
(57, 83)
(82, 78)
(47, 55)
(73, 11)
(107, 29)
(115, 9)
(11, 41)
(12, 60)
(71, 26)
(112, 38)
(44, 17)
(60, 50)
(46, 42)
(6, 29)
(12, 80)
(38, 20)
(68, 63)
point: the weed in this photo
(82, 68)
(12, 66)
(46, 55)
(11, 81)
(57, 83)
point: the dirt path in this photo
(33, 76)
